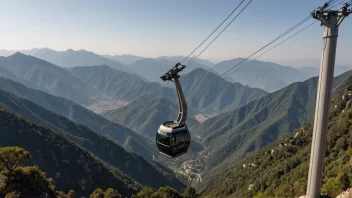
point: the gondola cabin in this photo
(173, 140)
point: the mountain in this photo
(68, 164)
(177, 59)
(152, 69)
(127, 87)
(281, 168)
(221, 96)
(117, 84)
(119, 134)
(7, 74)
(128, 163)
(125, 58)
(72, 58)
(46, 77)
(145, 118)
(258, 123)
(314, 71)
(264, 75)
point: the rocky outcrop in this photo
(346, 194)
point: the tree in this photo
(71, 194)
(166, 192)
(190, 192)
(111, 193)
(98, 193)
(27, 181)
(20, 181)
(146, 192)
(343, 181)
(10, 158)
(60, 194)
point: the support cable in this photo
(220, 33)
(213, 32)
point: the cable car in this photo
(172, 138)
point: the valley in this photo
(103, 104)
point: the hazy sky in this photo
(153, 28)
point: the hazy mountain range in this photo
(264, 75)
(72, 58)
(257, 74)
(125, 59)
(152, 69)
(314, 71)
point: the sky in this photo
(153, 28)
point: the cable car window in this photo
(180, 138)
(164, 138)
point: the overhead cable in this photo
(213, 32)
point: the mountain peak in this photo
(83, 50)
(201, 71)
(17, 55)
(69, 50)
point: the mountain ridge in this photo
(54, 79)
(71, 58)
(264, 75)
(258, 123)
(218, 95)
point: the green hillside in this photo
(129, 163)
(281, 169)
(67, 163)
(220, 97)
(227, 137)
